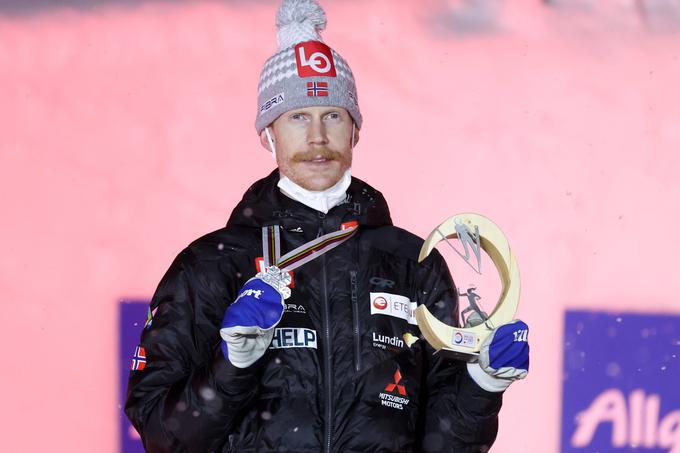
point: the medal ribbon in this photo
(271, 247)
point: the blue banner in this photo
(621, 387)
(131, 317)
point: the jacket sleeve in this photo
(461, 417)
(188, 396)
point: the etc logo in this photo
(314, 59)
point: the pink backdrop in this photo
(127, 131)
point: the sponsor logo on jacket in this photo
(381, 282)
(384, 341)
(293, 337)
(394, 395)
(293, 308)
(393, 305)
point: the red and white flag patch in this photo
(139, 359)
(317, 88)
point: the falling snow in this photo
(613, 369)
(207, 393)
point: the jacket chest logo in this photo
(394, 396)
(381, 283)
(393, 342)
(293, 308)
(393, 305)
(293, 337)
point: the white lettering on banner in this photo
(293, 337)
(637, 425)
(393, 305)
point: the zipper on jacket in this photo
(327, 348)
(355, 312)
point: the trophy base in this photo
(458, 355)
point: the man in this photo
(316, 349)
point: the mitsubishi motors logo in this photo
(390, 399)
(314, 59)
(391, 386)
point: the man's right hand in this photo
(248, 324)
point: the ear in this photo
(264, 142)
(356, 136)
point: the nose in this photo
(316, 133)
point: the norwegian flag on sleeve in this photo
(139, 359)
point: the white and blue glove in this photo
(503, 357)
(249, 322)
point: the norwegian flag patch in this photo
(139, 359)
(317, 88)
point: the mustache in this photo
(323, 152)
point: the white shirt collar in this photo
(322, 200)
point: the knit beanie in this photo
(304, 72)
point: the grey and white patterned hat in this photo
(304, 71)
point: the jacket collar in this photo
(264, 204)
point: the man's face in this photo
(313, 145)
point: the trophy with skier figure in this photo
(476, 233)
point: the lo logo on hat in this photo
(314, 59)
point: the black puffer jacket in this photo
(337, 377)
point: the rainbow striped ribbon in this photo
(271, 247)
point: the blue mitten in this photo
(503, 357)
(249, 322)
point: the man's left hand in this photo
(503, 357)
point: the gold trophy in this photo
(475, 232)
